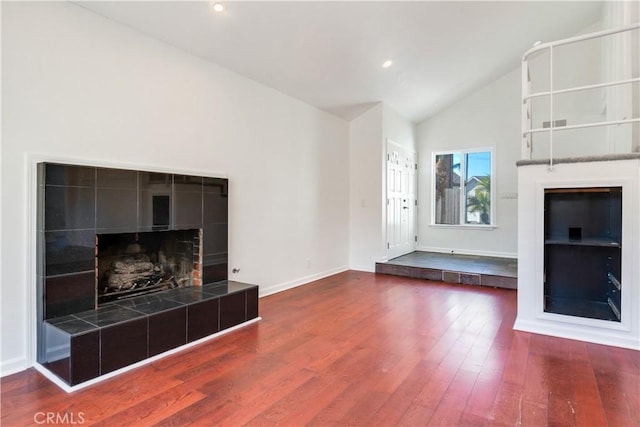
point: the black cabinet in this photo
(582, 252)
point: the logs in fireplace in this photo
(133, 264)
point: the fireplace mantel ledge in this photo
(581, 159)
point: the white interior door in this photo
(401, 200)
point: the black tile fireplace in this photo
(130, 264)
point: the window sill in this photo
(465, 226)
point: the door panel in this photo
(401, 200)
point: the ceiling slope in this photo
(330, 54)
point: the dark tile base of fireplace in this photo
(86, 345)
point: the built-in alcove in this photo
(582, 252)
(578, 248)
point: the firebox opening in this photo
(133, 264)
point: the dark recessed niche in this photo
(575, 233)
(160, 209)
(582, 252)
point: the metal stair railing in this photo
(527, 96)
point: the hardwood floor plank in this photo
(507, 406)
(483, 395)
(263, 394)
(416, 415)
(402, 397)
(328, 390)
(534, 414)
(365, 350)
(451, 406)
(517, 360)
(208, 411)
(152, 411)
(334, 412)
(303, 396)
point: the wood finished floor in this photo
(361, 349)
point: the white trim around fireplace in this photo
(31, 203)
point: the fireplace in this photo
(131, 265)
(134, 264)
(177, 222)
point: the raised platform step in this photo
(454, 268)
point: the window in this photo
(462, 187)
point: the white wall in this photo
(490, 117)
(398, 129)
(366, 238)
(79, 87)
(368, 134)
(621, 55)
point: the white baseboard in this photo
(576, 333)
(369, 267)
(365, 268)
(467, 252)
(273, 289)
(13, 366)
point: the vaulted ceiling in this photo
(330, 53)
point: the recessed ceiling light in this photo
(388, 63)
(217, 6)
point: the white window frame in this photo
(463, 193)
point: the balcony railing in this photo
(618, 96)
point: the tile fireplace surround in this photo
(102, 309)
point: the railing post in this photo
(526, 120)
(551, 122)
